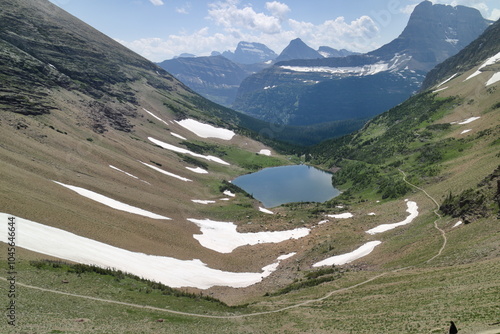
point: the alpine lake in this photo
(287, 184)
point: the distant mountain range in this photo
(311, 91)
(218, 77)
(215, 77)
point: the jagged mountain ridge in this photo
(250, 53)
(218, 80)
(216, 77)
(284, 89)
(329, 52)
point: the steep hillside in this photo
(102, 149)
(312, 91)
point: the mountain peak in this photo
(297, 49)
(250, 53)
(434, 33)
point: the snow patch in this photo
(265, 152)
(286, 256)
(440, 89)
(342, 215)
(199, 201)
(184, 151)
(167, 270)
(133, 176)
(458, 223)
(158, 118)
(323, 222)
(166, 173)
(349, 257)
(222, 237)
(261, 209)
(178, 136)
(465, 131)
(111, 202)
(206, 130)
(495, 78)
(442, 83)
(412, 209)
(229, 193)
(372, 214)
(197, 170)
(489, 61)
(352, 70)
(469, 120)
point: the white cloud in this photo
(159, 49)
(495, 14)
(184, 9)
(228, 15)
(278, 9)
(157, 2)
(338, 33)
(235, 22)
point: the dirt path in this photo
(310, 301)
(436, 212)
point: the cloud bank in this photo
(231, 21)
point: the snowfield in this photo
(200, 201)
(111, 202)
(177, 135)
(412, 210)
(339, 260)
(229, 193)
(197, 170)
(205, 130)
(489, 61)
(494, 78)
(469, 120)
(440, 89)
(344, 215)
(184, 151)
(442, 83)
(357, 70)
(133, 176)
(222, 237)
(265, 152)
(264, 210)
(166, 173)
(167, 270)
(158, 118)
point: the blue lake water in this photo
(287, 184)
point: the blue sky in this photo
(162, 29)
